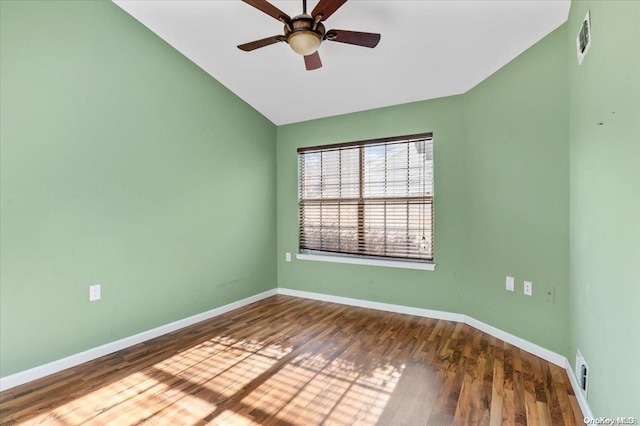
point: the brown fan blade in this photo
(326, 8)
(269, 9)
(257, 44)
(353, 37)
(312, 62)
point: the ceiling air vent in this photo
(583, 41)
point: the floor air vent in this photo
(582, 372)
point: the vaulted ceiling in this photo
(428, 49)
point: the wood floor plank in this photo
(291, 361)
(497, 389)
(543, 414)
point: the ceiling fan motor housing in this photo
(304, 34)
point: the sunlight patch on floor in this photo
(188, 387)
(231, 418)
(341, 394)
(179, 387)
(120, 396)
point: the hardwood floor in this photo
(291, 361)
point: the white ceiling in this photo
(429, 49)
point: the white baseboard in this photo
(543, 353)
(22, 377)
(582, 401)
(537, 350)
(40, 371)
(373, 305)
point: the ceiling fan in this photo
(304, 33)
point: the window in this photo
(370, 198)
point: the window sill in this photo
(371, 262)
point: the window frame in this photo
(306, 253)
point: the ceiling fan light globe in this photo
(304, 42)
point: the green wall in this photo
(517, 181)
(124, 164)
(501, 200)
(435, 290)
(604, 105)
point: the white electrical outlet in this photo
(94, 292)
(510, 284)
(287, 257)
(528, 288)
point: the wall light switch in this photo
(528, 288)
(287, 257)
(94, 292)
(510, 284)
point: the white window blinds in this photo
(369, 198)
